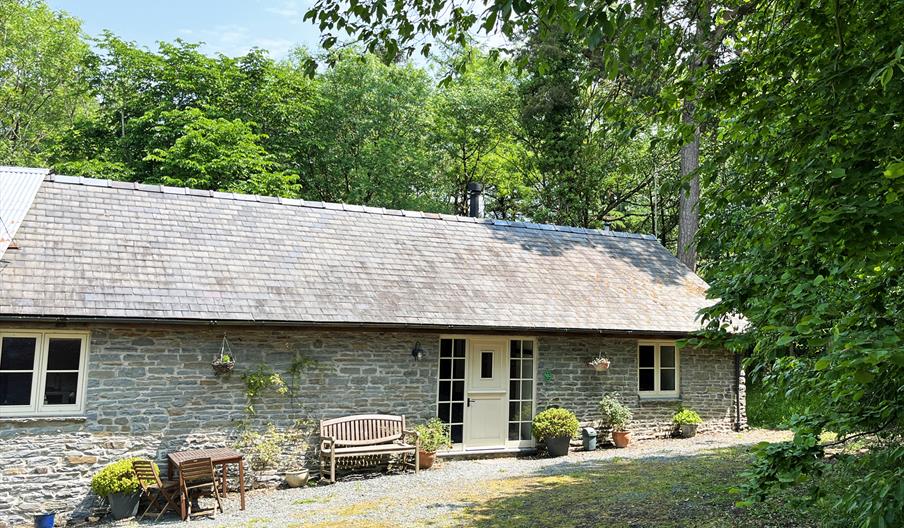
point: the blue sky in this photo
(231, 27)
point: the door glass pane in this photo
(667, 379)
(527, 369)
(443, 412)
(515, 348)
(445, 390)
(527, 390)
(458, 390)
(514, 429)
(527, 348)
(445, 348)
(514, 369)
(515, 390)
(15, 388)
(646, 356)
(666, 356)
(646, 380)
(459, 348)
(527, 410)
(458, 412)
(18, 353)
(456, 431)
(514, 411)
(525, 431)
(60, 388)
(445, 368)
(458, 368)
(486, 365)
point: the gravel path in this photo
(429, 498)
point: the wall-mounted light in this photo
(417, 352)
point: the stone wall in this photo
(706, 382)
(151, 390)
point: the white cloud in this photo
(287, 9)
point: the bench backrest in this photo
(363, 429)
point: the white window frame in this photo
(657, 392)
(39, 375)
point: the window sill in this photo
(659, 399)
(44, 419)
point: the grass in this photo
(690, 491)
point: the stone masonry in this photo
(151, 390)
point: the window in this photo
(657, 369)
(521, 389)
(42, 373)
(450, 401)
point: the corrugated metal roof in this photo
(18, 186)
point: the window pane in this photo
(646, 380)
(60, 388)
(486, 365)
(456, 434)
(459, 348)
(514, 411)
(666, 356)
(443, 412)
(458, 412)
(445, 390)
(527, 411)
(527, 348)
(515, 348)
(445, 348)
(458, 391)
(527, 391)
(514, 429)
(18, 353)
(527, 369)
(525, 431)
(445, 368)
(458, 368)
(63, 354)
(646, 355)
(515, 390)
(514, 369)
(15, 388)
(667, 379)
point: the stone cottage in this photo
(117, 296)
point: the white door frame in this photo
(505, 344)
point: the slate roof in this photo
(101, 249)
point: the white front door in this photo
(487, 395)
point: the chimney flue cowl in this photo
(475, 197)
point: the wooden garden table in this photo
(220, 456)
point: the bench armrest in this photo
(415, 434)
(327, 442)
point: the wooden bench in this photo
(366, 434)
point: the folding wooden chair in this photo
(197, 476)
(160, 493)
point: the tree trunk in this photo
(689, 199)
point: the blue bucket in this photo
(45, 520)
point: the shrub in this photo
(434, 435)
(614, 413)
(686, 417)
(117, 477)
(555, 422)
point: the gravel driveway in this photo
(433, 496)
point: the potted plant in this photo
(600, 363)
(433, 436)
(117, 482)
(686, 421)
(555, 427)
(223, 364)
(616, 416)
(297, 477)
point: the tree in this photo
(42, 83)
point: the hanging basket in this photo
(600, 364)
(225, 363)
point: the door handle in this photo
(469, 401)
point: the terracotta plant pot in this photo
(426, 459)
(621, 438)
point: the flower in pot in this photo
(433, 436)
(223, 364)
(616, 416)
(686, 421)
(555, 427)
(118, 483)
(600, 363)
